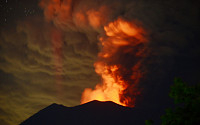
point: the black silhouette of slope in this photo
(91, 113)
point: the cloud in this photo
(27, 58)
(34, 73)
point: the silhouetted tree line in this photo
(187, 101)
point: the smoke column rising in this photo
(120, 39)
(122, 45)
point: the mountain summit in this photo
(91, 113)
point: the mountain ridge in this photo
(91, 113)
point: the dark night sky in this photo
(12, 10)
(31, 77)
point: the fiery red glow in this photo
(119, 33)
(122, 43)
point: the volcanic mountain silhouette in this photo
(91, 113)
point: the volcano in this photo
(91, 113)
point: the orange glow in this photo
(97, 17)
(120, 26)
(122, 46)
(80, 19)
(109, 90)
(58, 11)
(94, 18)
(117, 34)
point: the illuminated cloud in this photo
(27, 55)
(34, 74)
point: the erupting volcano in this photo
(122, 44)
(122, 40)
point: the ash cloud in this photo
(27, 57)
(26, 52)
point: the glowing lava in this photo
(118, 34)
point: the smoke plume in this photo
(96, 49)
(122, 45)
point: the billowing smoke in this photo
(70, 49)
(119, 64)
(122, 45)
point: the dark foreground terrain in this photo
(91, 113)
